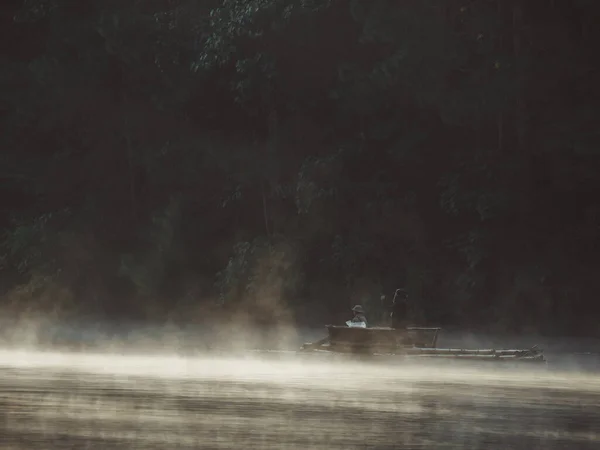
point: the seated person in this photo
(359, 315)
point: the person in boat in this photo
(399, 314)
(359, 315)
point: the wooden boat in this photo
(412, 342)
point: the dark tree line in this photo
(293, 157)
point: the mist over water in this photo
(53, 400)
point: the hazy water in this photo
(97, 401)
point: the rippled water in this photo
(97, 401)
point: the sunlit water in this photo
(99, 401)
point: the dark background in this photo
(191, 160)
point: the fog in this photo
(156, 395)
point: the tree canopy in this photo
(294, 157)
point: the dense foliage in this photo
(293, 157)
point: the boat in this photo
(412, 343)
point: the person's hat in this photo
(358, 309)
(401, 293)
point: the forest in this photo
(184, 160)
